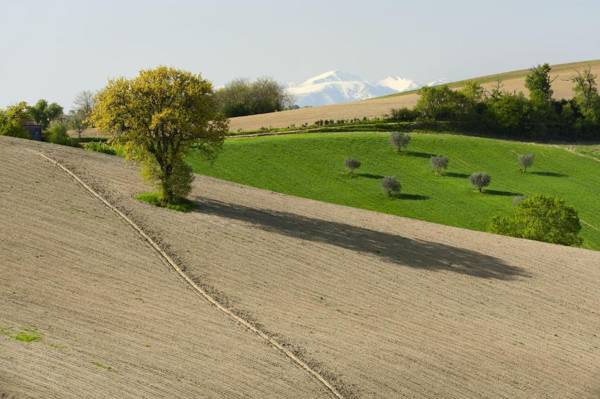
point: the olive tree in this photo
(480, 180)
(158, 116)
(439, 164)
(391, 185)
(399, 140)
(352, 164)
(525, 161)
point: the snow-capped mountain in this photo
(335, 87)
(398, 84)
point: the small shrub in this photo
(525, 161)
(351, 165)
(439, 164)
(28, 336)
(399, 140)
(99, 146)
(57, 133)
(391, 185)
(403, 115)
(541, 218)
(480, 180)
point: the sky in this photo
(56, 49)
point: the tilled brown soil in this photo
(383, 306)
(381, 106)
(114, 320)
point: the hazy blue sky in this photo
(54, 49)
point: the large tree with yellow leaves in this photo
(158, 116)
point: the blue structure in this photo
(34, 130)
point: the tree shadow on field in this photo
(393, 248)
(501, 193)
(418, 154)
(549, 174)
(414, 197)
(456, 174)
(369, 175)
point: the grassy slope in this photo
(312, 166)
(589, 150)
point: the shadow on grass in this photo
(550, 174)
(456, 174)
(418, 154)
(501, 193)
(414, 197)
(369, 175)
(402, 251)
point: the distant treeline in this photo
(512, 114)
(242, 97)
(48, 117)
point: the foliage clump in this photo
(391, 186)
(158, 116)
(12, 120)
(513, 114)
(43, 113)
(57, 133)
(480, 180)
(399, 140)
(439, 164)
(403, 114)
(99, 146)
(541, 218)
(352, 164)
(241, 97)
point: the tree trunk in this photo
(165, 185)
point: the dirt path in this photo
(386, 307)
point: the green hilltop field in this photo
(312, 166)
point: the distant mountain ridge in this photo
(337, 87)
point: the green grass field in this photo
(312, 166)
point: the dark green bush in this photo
(403, 115)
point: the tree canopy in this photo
(541, 218)
(12, 120)
(159, 115)
(43, 113)
(241, 97)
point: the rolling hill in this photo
(312, 166)
(379, 305)
(381, 106)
